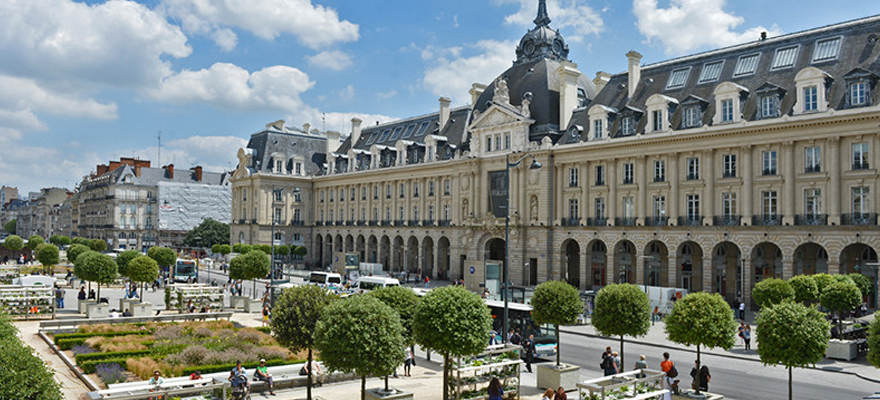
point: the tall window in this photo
(600, 208)
(730, 165)
(415, 213)
(573, 209)
(277, 216)
(363, 193)
(446, 212)
(402, 191)
(430, 188)
(657, 119)
(692, 118)
(659, 171)
(811, 101)
(769, 106)
(276, 194)
(628, 172)
(693, 168)
(573, 177)
(598, 128)
(506, 141)
(375, 192)
(629, 207)
(430, 213)
(332, 192)
(860, 156)
(627, 126)
(769, 204)
(297, 215)
(812, 160)
(488, 143)
(813, 202)
(600, 175)
(861, 200)
(298, 166)
(244, 195)
(388, 213)
(415, 189)
(858, 93)
(728, 204)
(659, 206)
(446, 187)
(387, 191)
(769, 162)
(353, 192)
(727, 110)
(400, 213)
(693, 207)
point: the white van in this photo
(368, 283)
(325, 279)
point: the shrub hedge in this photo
(60, 336)
(80, 358)
(67, 344)
(89, 366)
(23, 374)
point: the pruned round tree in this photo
(47, 255)
(82, 266)
(59, 240)
(101, 268)
(98, 245)
(143, 269)
(34, 241)
(164, 256)
(793, 335)
(225, 249)
(772, 291)
(453, 322)
(622, 309)
(215, 248)
(805, 288)
(557, 303)
(702, 319)
(295, 315)
(79, 240)
(14, 243)
(360, 334)
(10, 227)
(74, 251)
(403, 301)
(866, 287)
(842, 297)
(822, 280)
(125, 257)
(253, 265)
(874, 342)
(244, 249)
(300, 251)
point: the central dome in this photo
(541, 41)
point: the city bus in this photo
(520, 317)
(185, 271)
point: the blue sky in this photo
(85, 82)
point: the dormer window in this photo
(812, 89)
(727, 110)
(769, 100)
(810, 98)
(678, 78)
(598, 128)
(692, 114)
(660, 110)
(711, 71)
(784, 58)
(627, 126)
(826, 50)
(600, 121)
(859, 83)
(746, 65)
(729, 99)
(857, 93)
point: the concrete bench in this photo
(176, 387)
(73, 323)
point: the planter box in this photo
(96, 310)
(141, 309)
(253, 306)
(238, 301)
(83, 305)
(378, 394)
(126, 303)
(842, 349)
(551, 377)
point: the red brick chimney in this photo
(169, 171)
(101, 169)
(197, 173)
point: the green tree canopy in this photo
(622, 310)
(793, 335)
(164, 256)
(98, 245)
(772, 291)
(842, 297)
(74, 251)
(210, 232)
(282, 250)
(101, 268)
(14, 243)
(402, 300)
(23, 373)
(143, 269)
(59, 240)
(863, 283)
(294, 318)
(236, 247)
(702, 319)
(253, 265)
(10, 227)
(80, 240)
(360, 334)
(245, 248)
(82, 265)
(453, 322)
(225, 249)
(215, 248)
(557, 303)
(123, 258)
(34, 241)
(48, 255)
(805, 289)
(265, 248)
(822, 280)
(300, 251)
(874, 341)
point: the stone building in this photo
(41, 215)
(708, 172)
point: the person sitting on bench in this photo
(264, 376)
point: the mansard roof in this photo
(292, 143)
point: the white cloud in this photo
(386, 95)
(452, 77)
(347, 93)
(33, 167)
(314, 26)
(229, 86)
(226, 39)
(687, 25)
(332, 59)
(574, 18)
(337, 121)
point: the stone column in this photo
(583, 175)
(834, 192)
(611, 203)
(707, 273)
(710, 186)
(673, 266)
(833, 265)
(609, 268)
(674, 173)
(561, 209)
(748, 182)
(641, 179)
(747, 281)
(639, 265)
(788, 184)
(787, 267)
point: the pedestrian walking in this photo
(529, 348)
(408, 362)
(742, 310)
(616, 360)
(747, 337)
(641, 364)
(739, 332)
(701, 376)
(607, 363)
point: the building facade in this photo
(41, 216)
(708, 172)
(119, 203)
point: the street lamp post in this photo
(506, 284)
(875, 267)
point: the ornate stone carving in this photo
(502, 94)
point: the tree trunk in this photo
(789, 384)
(557, 346)
(98, 298)
(309, 377)
(255, 289)
(445, 376)
(699, 367)
(364, 387)
(620, 367)
(143, 285)
(386, 383)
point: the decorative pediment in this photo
(497, 115)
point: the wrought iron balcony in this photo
(627, 181)
(597, 221)
(727, 220)
(690, 220)
(657, 221)
(360, 223)
(659, 179)
(858, 219)
(809, 169)
(372, 223)
(571, 221)
(443, 222)
(319, 223)
(428, 222)
(600, 182)
(386, 222)
(729, 174)
(625, 221)
(297, 223)
(860, 165)
(412, 222)
(811, 219)
(692, 177)
(768, 171)
(767, 220)
(349, 223)
(399, 222)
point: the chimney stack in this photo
(169, 171)
(197, 173)
(635, 71)
(332, 142)
(102, 169)
(568, 101)
(444, 112)
(355, 130)
(476, 91)
(601, 79)
(307, 127)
